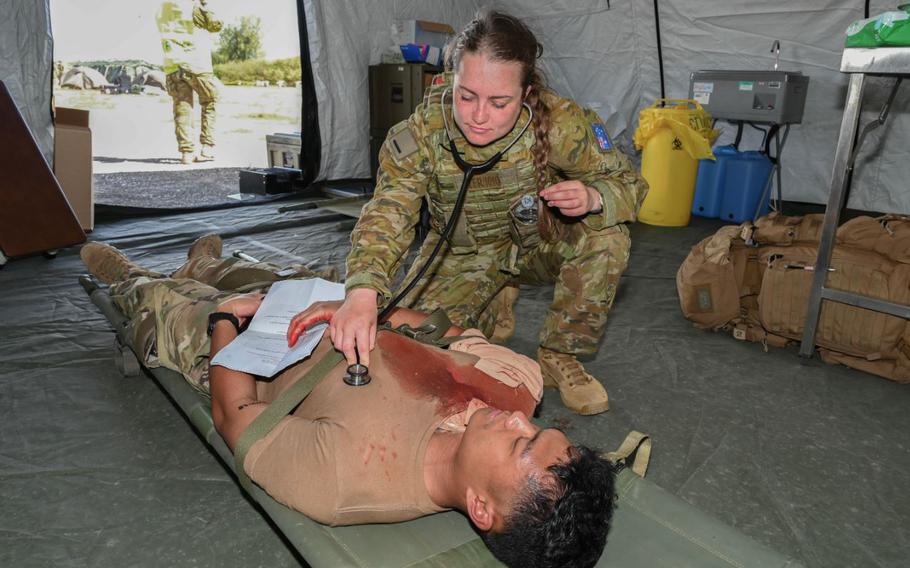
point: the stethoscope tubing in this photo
(469, 169)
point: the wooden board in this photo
(34, 213)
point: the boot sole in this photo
(589, 409)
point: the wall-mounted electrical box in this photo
(753, 96)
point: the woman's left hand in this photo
(318, 312)
(571, 197)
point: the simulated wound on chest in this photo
(448, 379)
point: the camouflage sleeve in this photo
(576, 153)
(385, 230)
(205, 19)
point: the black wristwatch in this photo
(215, 317)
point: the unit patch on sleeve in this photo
(603, 140)
(402, 143)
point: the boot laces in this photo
(570, 368)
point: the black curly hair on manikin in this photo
(560, 520)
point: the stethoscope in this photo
(358, 374)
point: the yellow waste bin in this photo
(674, 138)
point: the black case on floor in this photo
(268, 181)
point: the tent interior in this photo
(806, 458)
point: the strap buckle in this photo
(417, 333)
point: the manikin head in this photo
(536, 499)
(493, 59)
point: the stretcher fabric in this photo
(651, 528)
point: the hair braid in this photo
(541, 130)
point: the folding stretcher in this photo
(651, 527)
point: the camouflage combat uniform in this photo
(185, 27)
(490, 248)
(168, 317)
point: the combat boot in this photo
(109, 265)
(206, 154)
(579, 391)
(186, 158)
(505, 315)
(206, 245)
(330, 274)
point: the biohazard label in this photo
(600, 133)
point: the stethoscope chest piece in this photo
(357, 375)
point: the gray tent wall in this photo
(606, 58)
(737, 34)
(345, 38)
(26, 54)
(603, 55)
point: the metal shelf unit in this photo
(858, 63)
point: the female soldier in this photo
(563, 168)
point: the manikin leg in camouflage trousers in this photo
(168, 315)
(585, 266)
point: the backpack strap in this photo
(429, 331)
(635, 443)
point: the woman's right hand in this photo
(353, 326)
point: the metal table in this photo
(892, 61)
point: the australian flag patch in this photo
(601, 134)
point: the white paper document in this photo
(263, 348)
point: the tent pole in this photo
(310, 140)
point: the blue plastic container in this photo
(709, 184)
(745, 176)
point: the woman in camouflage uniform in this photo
(565, 163)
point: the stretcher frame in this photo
(651, 529)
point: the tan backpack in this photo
(753, 280)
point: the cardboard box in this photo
(422, 32)
(283, 150)
(73, 162)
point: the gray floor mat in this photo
(100, 470)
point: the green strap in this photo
(429, 331)
(447, 341)
(635, 443)
(277, 410)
